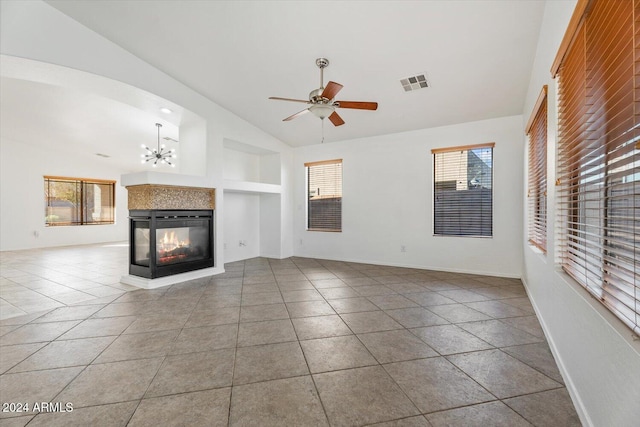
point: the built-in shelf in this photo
(247, 165)
(249, 187)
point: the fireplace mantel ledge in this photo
(141, 282)
(163, 178)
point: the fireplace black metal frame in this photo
(154, 217)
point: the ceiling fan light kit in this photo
(322, 100)
(322, 110)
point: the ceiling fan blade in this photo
(299, 113)
(331, 90)
(289, 99)
(336, 119)
(358, 105)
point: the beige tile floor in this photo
(294, 342)
(42, 279)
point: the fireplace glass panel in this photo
(167, 242)
(142, 243)
(189, 242)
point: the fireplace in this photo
(166, 242)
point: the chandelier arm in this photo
(159, 154)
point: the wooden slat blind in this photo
(324, 195)
(598, 156)
(78, 201)
(463, 191)
(537, 192)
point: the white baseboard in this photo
(419, 267)
(573, 392)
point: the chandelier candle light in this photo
(159, 154)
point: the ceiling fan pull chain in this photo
(322, 121)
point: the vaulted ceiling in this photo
(477, 56)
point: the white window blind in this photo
(537, 181)
(463, 190)
(598, 153)
(324, 195)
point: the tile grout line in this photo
(332, 270)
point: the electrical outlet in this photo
(224, 245)
(403, 248)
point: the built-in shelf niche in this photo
(252, 169)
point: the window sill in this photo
(624, 331)
(462, 235)
(79, 225)
(536, 249)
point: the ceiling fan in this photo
(322, 100)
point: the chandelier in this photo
(159, 154)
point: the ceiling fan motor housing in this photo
(315, 96)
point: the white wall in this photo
(193, 142)
(36, 31)
(597, 354)
(286, 204)
(241, 166)
(241, 222)
(270, 225)
(270, 165)
(22, 210)
(388, 201)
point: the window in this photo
(76, 201)
(463, 191)
(537, 192)
(324, 195)
(598, 154)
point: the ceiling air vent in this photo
(415, 82)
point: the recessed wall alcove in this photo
(252, 196)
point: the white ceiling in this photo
(477, 55)
(79, 122)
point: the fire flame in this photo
(170, 241)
